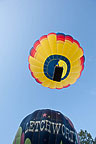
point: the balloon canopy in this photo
(56, 60)
(46, 127)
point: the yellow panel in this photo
(67, 48)
(76, 69)
(38, 74)
(52, 84)
(76, 63)
(65, 82)
(35, 62)
(52, 43)
(39, 57)
(77, 55)
(41, 51)
(60, 45)
(74, 48)
(68, 81)
(75, 75)
(45, 45)
(72, 80)
(44, 78)
(36, 69)
(59, 85)
(41, 77)
(46, 83)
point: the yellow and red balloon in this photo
(56, 60)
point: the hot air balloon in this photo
(56, 60)
(46, 127)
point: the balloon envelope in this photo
(56, 60)
(46, 127)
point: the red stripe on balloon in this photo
(82, 59)
(33, 75)
(81, 71)
(82, 49)
(77, 43)
(51, 34)
(66, 86)
(59, 88)
(32, 52)
(36, 44)
(22, 138)
(82, 68)
(67, 37)
(38, 81)
(63, 87)
(35, 78)
(43, 37)
(61, 37)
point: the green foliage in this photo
(86, 138)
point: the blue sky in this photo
(22, 22)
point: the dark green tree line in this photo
(86, 138)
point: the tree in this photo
(86, 138)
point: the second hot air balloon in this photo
(46, 127)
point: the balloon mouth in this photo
(56, 67)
